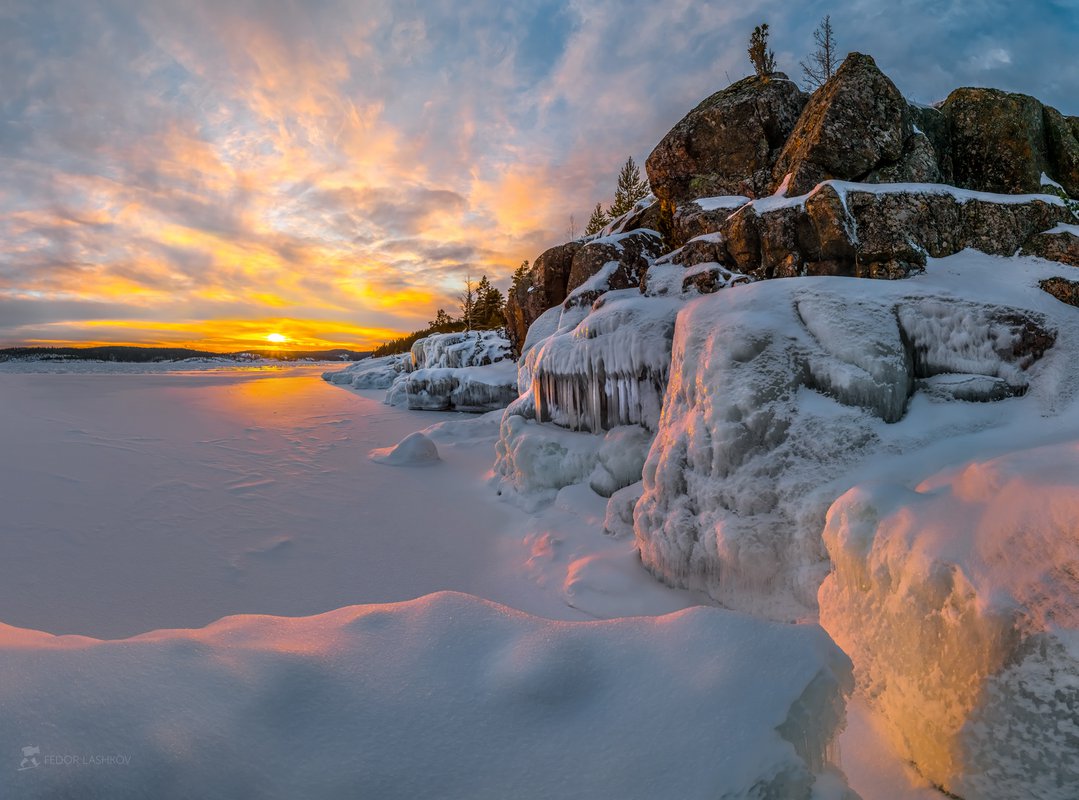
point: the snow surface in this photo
(371, 373)
(959, 602)
(780, 200)
(1063, 227)
(723, 201)
(135, 502)
(447, 696)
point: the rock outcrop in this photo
(727, 144)
(870, 231)
(1058, 244)
(856, 123)
(1005, 142)
(611, 262)
(545, 285)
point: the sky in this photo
(208, 172)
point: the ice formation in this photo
(959, 603)
(444, 696)
(782, 391)
(598, 375)
(475, 389)
(415, 450)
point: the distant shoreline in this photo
(145, 355)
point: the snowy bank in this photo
(959, 603)
(447, 696)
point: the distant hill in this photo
(150, 354)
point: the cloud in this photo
(341, 166)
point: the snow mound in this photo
(444, 696)
(415, 450)
(784, 392)
(959, 603)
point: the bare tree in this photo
(764, 60)
(467, 299)
(572, 227)
(824, 61)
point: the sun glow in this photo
(276, 338)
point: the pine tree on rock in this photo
(630, 189)
(764, 60)
(598, 221)
(824, 61)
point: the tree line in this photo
(481, 306)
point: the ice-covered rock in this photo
(781, 392)
(444, 696)
(475, 389)
(460, 349)
(415, 450)
(535, 461)
(464, 371)
(959, 603)
(370, 373)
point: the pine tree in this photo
(823, 62)
(519, 276)
(630, 189)
(442, 321)
(764, 60)
(598, 221)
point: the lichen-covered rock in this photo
(998, 140)
(1062, 140)
(1062, 289)
(1059, 244)
(856, 123)
(546, 284)
(879, 231)
(727, 144)
(612, 262)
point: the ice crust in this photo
(444, 696)
(959, 603)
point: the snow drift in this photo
(959, 603)
(447, 696)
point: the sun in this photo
(276, 338)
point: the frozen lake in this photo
(140, 501)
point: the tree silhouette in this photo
(764, 60)
(823, 62)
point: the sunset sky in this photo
(206, 172)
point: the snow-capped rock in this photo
(370, 373)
